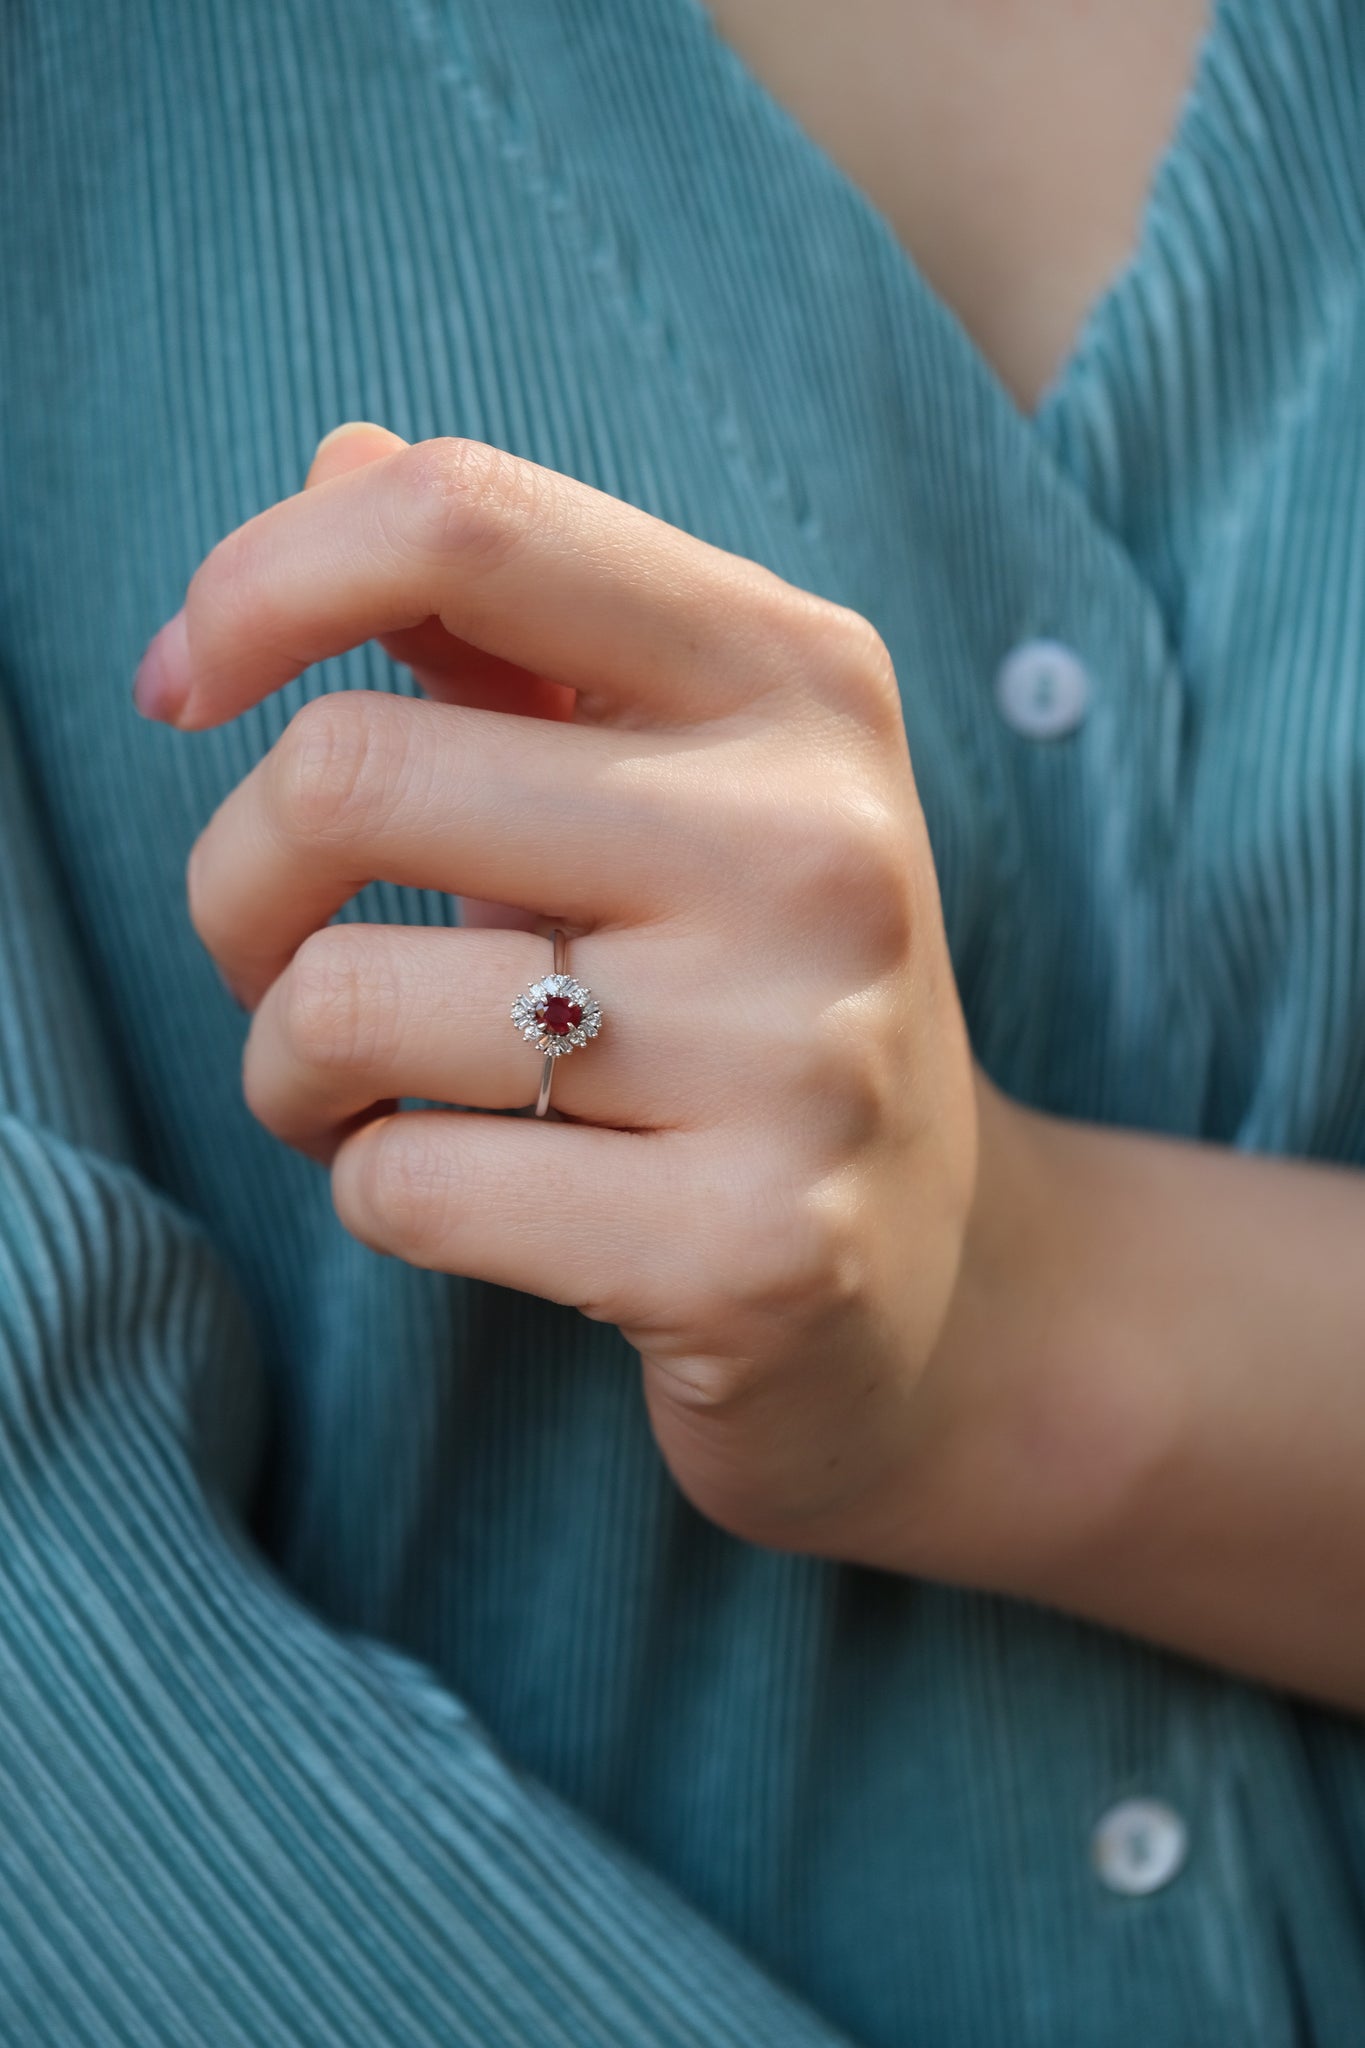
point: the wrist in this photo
(1021, 1419)
(952, 1473)
(909, 1522)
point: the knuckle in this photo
(197, 895)
(336, 1000)
(779, 1259)
(710, 1385)
(208, 891)
(776, 615)
(803, 1250)
(843, 864)
(853, 668)
(466, 500)
(787, 1240)
(404, 1185)
(847, 1067)
(332, 764)
(872, 880)
(260, 1086)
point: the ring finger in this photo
(366, 1015)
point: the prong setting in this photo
(545, 1014)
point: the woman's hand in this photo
(885, 1313)
(763, 1167)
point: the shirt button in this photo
(1138, 1846)
(1042, 689)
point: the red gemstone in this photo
(559, 1015)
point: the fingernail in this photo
(346, 427)
(161, 686)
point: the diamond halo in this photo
(544, 1014)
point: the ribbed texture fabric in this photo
(363, 1677)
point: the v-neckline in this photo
(1109, 304)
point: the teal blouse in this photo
(363, 1676)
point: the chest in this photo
(1156, 916)
(1010, 147)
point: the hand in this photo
(762, 1169)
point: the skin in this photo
(735, 767)
(916, 1325)
(966, 122)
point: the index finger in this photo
(648, 623)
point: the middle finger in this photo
(563, 821)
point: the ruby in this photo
(559, 1015)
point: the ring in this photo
(558, 1014)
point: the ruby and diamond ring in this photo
(558, 1015)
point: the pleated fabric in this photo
(363, 1676)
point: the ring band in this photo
(557, 1014)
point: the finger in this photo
(563, 821)
(573, 1212)
(447, 669)
(369, 1014)
(350, 446)
(645, 621)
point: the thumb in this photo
(350, 446)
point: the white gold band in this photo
(558, 1015)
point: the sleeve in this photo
(220, 1820)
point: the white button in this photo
(1139, 1845)
(1042, 689)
